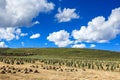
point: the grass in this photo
(60, 53)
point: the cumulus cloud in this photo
(66, 15)
(79, 46)
(10, 33)
(99, 29)
(92, 45)
(16, 13)
(3, 45)
(37, 35)
(60, 38)
(17, 32)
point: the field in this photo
(58, 64)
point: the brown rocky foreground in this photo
(47, 72)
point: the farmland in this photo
(68, 63)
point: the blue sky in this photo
(60, 23)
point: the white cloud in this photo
(37, 35)
(99, 29)
(14, 13)
(92, 45)
(36, 22)
(66, 15)
(79, 46)
(23, 34)
(3, 45)
(9, 33)
(60, 38)
(18, 32)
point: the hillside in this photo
(65, 53)
(55, 63)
